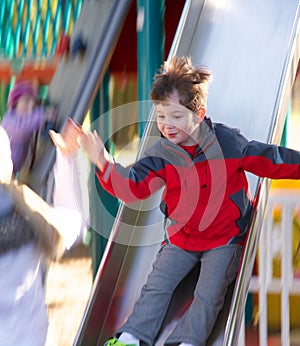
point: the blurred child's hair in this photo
(191, 83)
(21, 88)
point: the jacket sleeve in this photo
(271, 161)
(135, 182)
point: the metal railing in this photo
(279, 241)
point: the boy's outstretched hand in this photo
(68, 141)
(72, 136)
(95, 150)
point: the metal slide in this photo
(252, 49)
(79, 74)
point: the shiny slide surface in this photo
(252, 49)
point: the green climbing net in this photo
(31, 28)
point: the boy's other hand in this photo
(68, 141)
(95, 150)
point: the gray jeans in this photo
(218, 269)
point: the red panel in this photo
(172, 15)
(125, 55)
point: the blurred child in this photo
(24, 118)
(26, 241)
(202, 166)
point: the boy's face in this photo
(25, 105)
(176, 122)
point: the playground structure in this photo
(32, 28)
(34, 35)
(206, 31)
(210, 18)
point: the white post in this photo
(262, 279)
(286, 272)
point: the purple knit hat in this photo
(21, 88)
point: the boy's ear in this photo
(201, 113)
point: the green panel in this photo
(284, 137)
(99, 217)
(4, 90)
(151, 40)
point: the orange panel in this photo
(42, 71)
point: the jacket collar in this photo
(209, 147)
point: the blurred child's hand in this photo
(50, 114)
(68, 141)
(95, 150)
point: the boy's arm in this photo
(271, 161)
(129, 184)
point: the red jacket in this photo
(206, 199)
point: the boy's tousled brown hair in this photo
(179, 74)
